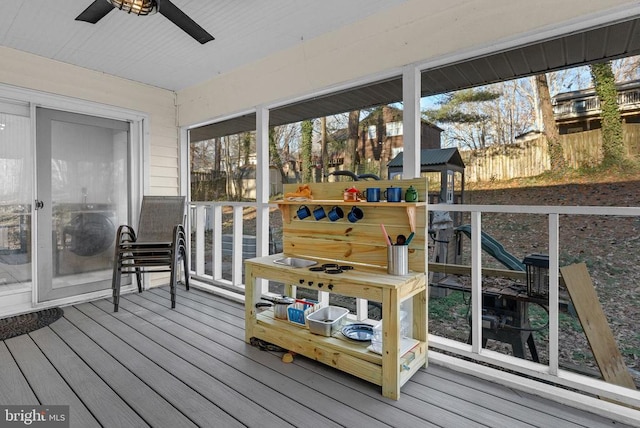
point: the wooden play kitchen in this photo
(356, 242)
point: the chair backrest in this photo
(158, 217)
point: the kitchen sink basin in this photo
(294, 262)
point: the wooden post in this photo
(595, 325)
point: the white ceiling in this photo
(152, 50)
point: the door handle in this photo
(39, 204)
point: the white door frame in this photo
(139, 169)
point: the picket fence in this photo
(531, 157)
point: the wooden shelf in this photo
(410, 207)
(355, 358)
(336, 342)
(340, 202)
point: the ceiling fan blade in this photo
(95, 12)
(175, 15)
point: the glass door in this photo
(82, 197)
(16, 196)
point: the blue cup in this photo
(303, 212)
(336, 213)
(319, 213)
(373, 194)
(393, 194)
(355, 214)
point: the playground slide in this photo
(495, 249)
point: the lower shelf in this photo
(337, 351)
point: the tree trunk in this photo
(218, 154)
(352, 141)
(307, 138)
(556, 153)
(324, 157)
(612, 142)
(246, 148)
(274, 155)
(237, 174)
(228, 168)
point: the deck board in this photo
(231, 390)
(237, 369)
(523, 407)
(155, 410)
(281, 377)
(96, 395)
(14, 389)
(148, 365)
(335, 390)
(47, 384)
(144, 365)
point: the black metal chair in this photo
(159, 245)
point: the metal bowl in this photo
(294, 262)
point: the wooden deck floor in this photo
(148, 365)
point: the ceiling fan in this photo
(99, 9)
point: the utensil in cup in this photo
(397, 260)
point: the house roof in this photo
(431, 160)
(394, 113)
(590, 92)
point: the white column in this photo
(476, 282)
(411, 122)
(554, 294)
(262, 182)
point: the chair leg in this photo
(139, 279)
(115, 284)
(185, 260)
(173, 281)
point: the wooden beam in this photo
(595, 325)
(452, 269)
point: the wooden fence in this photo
(531, 158)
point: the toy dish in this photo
(358, 331)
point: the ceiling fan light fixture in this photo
(138, 7)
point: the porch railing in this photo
(225, 274)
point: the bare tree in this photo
(281, 139)
(556, 153)
(324, 158)
(228, 164)
(353, 126)
(274, 154)
(202, 155)
(306, 151)
(247, 149)
(626, 69)
(217, 163)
